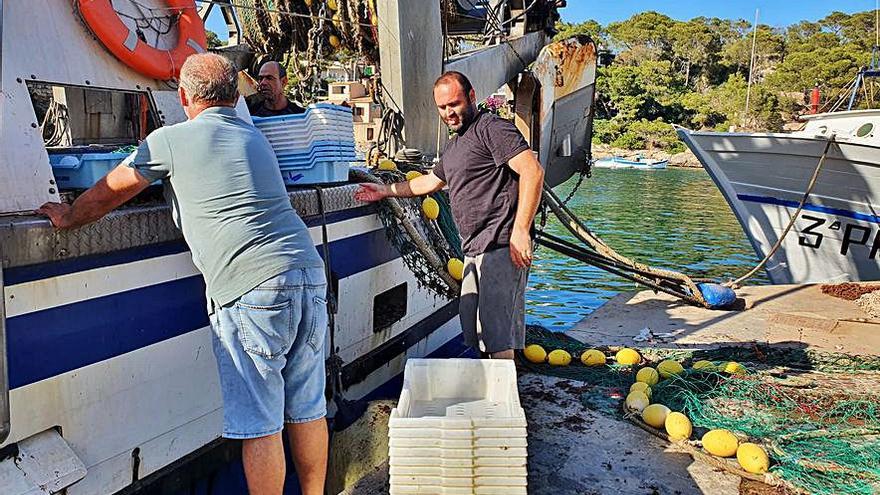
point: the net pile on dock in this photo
(817, 414)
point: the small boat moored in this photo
(639, 163)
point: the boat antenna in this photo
(752, 62)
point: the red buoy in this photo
(815, 96)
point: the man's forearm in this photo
(110, 192)
(89, 208)
(530, 187)
(419, 186)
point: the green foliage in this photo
(637, 135)
(695, 73)
(590, 28)
(646, 33)
(213, 40)
(649, 90)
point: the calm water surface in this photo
(672, 218)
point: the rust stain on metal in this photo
(567, 67)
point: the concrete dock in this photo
(575, 450)
(795, 315)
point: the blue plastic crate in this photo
(318, 173)
(81, 171)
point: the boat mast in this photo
(752, 63)
(873, 70)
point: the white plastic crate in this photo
(496, 471)
(459, 462)
(441, 453)
(459, 394)
(404, 480)
(451, 490)
(457, 444)
(458, 428)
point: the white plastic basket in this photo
(459, 463)
(416, 442)
(458, 428)
(458, 394)
(495, 471)
(451, 490)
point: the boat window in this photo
(75, 116)
(865, 130)
(389, 307)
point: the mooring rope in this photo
(736, 283)
(596, 252)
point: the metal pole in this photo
(4, 377)
(752, 63)
(855, 92)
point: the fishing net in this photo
(441, 234)
(817, 414)
(306, 35)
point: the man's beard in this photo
(465, 120)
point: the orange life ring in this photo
(127, 47)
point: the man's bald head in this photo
(273, 67)
(271, 82)
(209, 78)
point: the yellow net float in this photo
(648, 375)
(535, 353)
(455, 267)
(387, 165)
(593, 357)
(628, 357)
(721, 443)
(559, 357)
(431, 208)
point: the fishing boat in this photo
(639, 163)
(108, 383)
(765, 178)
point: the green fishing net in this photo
(817, 414)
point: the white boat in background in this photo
(764, 178)
(615, 162)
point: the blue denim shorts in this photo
(269, 345)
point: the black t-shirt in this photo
(257, 109)
(483, 189)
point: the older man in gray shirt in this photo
(265, 281)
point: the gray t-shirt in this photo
(224, 185)
(483, 189)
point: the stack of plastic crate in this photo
(458, 429)
(313, 147)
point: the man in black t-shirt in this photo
(272, 101)
(495, 185)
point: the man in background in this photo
(270, 86)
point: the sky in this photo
(779, 13)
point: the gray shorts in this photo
(492, 306)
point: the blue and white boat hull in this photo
(113, 350)
(764, 177)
